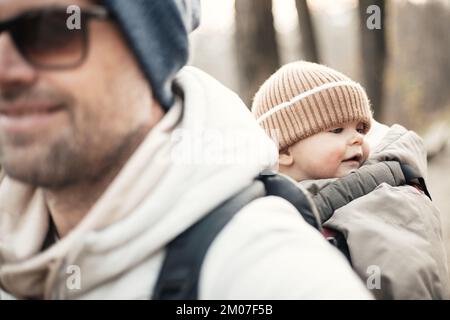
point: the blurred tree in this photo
(373, 51)
(417, 90)
(309, 45)
(257, 51)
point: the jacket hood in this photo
(398, 143)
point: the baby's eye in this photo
(337, 130)
(361, 129)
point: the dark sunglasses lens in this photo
(46, 40)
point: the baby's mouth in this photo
(356, 158)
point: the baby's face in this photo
(331, 154)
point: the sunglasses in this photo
(45, 38)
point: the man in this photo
(98, 143)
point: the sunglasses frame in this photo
(87, 14)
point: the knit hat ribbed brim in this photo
(304, 98)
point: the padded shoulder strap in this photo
(180, 272)
(363, 181)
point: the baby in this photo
(318, 116)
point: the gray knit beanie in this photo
(157, 32)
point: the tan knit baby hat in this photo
(304, 98)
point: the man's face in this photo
(61, 127)
(331, 154)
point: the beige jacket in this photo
(394, 233)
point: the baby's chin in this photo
(347, 168)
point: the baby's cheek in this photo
(366, 150)
(336, 156)
(330, 163)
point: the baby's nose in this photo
(357, 138)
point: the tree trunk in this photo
(256, 45)
(308, 44)
(373, 51)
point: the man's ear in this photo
(286, 158)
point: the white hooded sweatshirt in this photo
(266, 252)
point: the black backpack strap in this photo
(180, 272)
(280, 186)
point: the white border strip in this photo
(307, 94)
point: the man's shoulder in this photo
(269, 213)
(191, 72)
(264, 222)
(194, 79)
